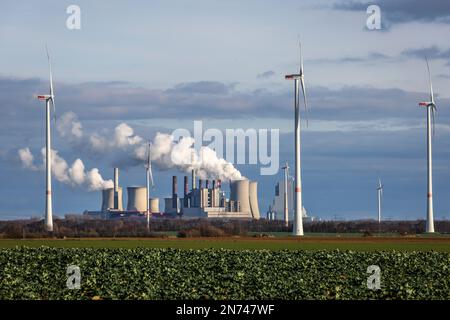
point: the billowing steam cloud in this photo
(130, 149)
(167, 153)
(75, 175)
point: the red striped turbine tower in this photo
(48, 98)
(298, 212)
(431, 109)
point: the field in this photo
(279, 242)
(145, 273)
(269, 266)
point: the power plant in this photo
(206, 199)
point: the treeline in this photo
(74, 226)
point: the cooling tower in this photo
(253, 194)
(240, 193)
(137, 199)
(108, 199)
(154, 205)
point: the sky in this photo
(161, 65)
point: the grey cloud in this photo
(403, 11)
(202, 87)
(371, 57)
(432, 52)
(266, 74)
(121, 102)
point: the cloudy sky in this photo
(160, 65)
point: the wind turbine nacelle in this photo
(292, 76)
(44, 97)
(425, 104)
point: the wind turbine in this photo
(148, 168)
(380, 194)
(286, 208)
(431, 109)
(49, 98)
(298, 214)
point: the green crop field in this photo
(145, 273)
(307, 243)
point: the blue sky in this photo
(160, 65)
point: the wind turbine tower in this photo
(148, 168)
(431, 109)
(298, 214)
(49, 99)
(286, 208)
(380, 194)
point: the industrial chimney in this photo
(116, 188)
(174, 192)
(193, 179)
(207, 183)
(186, 191)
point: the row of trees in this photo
(81, 226)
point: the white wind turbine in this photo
(380, 194)
(49, 98)
(148, 168)
(298, 214)
(286, 205)
(431, 109)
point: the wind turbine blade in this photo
(304, 99)
(149, 166)
(429, 79)
(302, 80)
(301, 58)
(52, 93)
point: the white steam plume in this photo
(129, 149)
(75, 175)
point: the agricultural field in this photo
(149, 273)
(279, 242)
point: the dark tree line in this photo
(74, 226)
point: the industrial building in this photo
(276, 210)
(205, 200)
(210, 201)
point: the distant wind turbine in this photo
(298, 214)
(380, 194)
(49, 98)
(431, 109)
(148, 168)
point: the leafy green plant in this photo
(141, 273)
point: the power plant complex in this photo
(205, 200)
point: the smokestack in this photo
(214, 184)
(186, 190)
(200, 183)
(174, 192)
(116, 188)
(219, 183)
(193, 179)
(207, 183)
(116, 179)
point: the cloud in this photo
(371, 57)
(432, 52)
(202, 87)
(403, 11)
(266, 74)
(73, 175)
